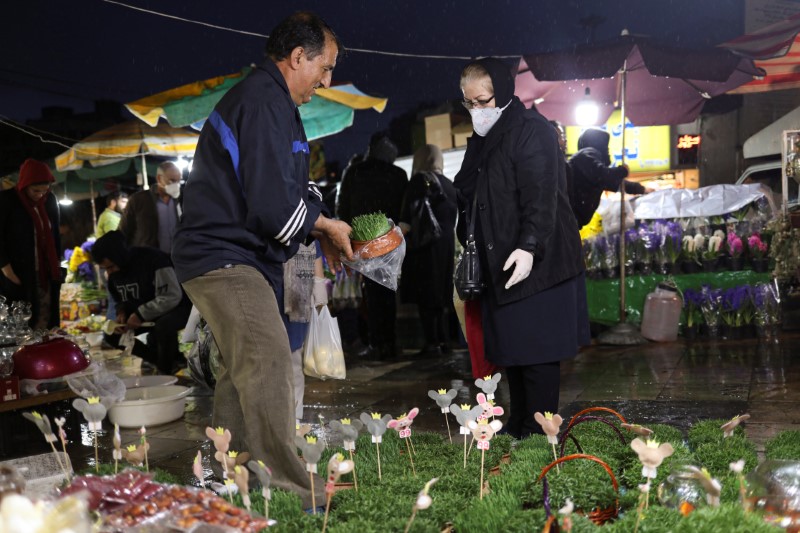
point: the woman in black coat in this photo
(30, 244)
(533, 309)
(427, 278)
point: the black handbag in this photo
(425, 229)
(468, 278)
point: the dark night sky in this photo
(54, 52)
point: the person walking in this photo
(30, 244)
(151, 216)
(427, 278)
(247, 206)
(533, 309)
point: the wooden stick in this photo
(96, 459)
(465, 451)
(483, 454)
(313, 496)
(412, 445)
(355, 480)
(555, 456)
(266, 503)
(66, 457)
(410, 520)
(378, 447)
(446, 421)
(411, 457)
(327, 510)
(469, 451)
(58, 458)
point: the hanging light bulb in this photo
(65, 200)
(586, 112)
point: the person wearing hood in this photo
(533, 308)
(145, 289)
(30, 244)
(375, 184)
(151, 216)
(592, 174)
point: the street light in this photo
(586, 112)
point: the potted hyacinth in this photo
(692, 304)
(632, 250)
(711, 253)
(758, 253)
(688, 257)
(735, 249)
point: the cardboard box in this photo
(461, 132)
(437, 131)
(9, 389)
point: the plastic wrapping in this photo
(203, 360)
(385, 268)
(715, 200)
(323, 356)
(99, 382)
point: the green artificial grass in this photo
(369, 226)
(785, 446)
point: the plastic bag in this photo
(99, 382)
(609, 212)
(323, 357)
(384, 269)
(203, 360)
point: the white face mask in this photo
(173, 189)
(485, 118)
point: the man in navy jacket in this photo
(247, 206)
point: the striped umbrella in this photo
(190, 105)
(776, 49)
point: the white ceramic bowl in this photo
(134, 382)
(150, 406)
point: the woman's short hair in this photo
(475, 72)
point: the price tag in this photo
(405, 433)
(483, 445)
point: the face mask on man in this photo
(484, 119)
(173, 189)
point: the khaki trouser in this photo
(254, 396)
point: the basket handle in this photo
(587, 419)
(577, 415)
(607, 468)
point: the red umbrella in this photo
(665, 85)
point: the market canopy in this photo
(128, 140)
(331, 111)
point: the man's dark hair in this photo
(111, 246)
(115, 195)
(304, 29)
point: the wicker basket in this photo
(585, 416)
(598, 516)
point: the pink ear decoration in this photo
(197, 469)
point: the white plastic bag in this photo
(385, 268)
(323, 357)
(609, 211)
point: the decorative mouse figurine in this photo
(488, 385)
(638, 430)
(349, 430)
(651, 455)
(490, 410)
(443, 398)
(728, 427)
(551, 425)
(402, 424)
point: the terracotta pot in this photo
(379, 246)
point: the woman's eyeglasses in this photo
(472, 104)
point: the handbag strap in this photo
(471, 218)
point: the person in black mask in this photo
(533, 308)
(145, 290)
(592, 174)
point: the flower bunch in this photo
(785, 248)
(734, 245)
(632, 246)
(757, 247)
(79, 262)
(710, 306)
(737, 308)
(766, 304)
(712, 249)
(692, 304)
(671, 236)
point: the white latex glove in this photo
(523, 261)
(319, 295)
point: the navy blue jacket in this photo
(248, 199)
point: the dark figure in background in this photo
(109, 219)
(151, 216)
(375, 184)
(427, 278)
(592, 174)
(30, 244)
(145, 289)
(533, 310)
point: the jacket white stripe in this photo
(313, 188)
(294, 224)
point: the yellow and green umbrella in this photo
(125, 141)
(329, 112)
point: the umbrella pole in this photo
(94, 209)
(623, 333)
(146, 184)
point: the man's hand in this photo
(134, 321)
(8, 272)
(334, 237)
(524, 263)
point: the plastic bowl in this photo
(150, 406)
(135, 382)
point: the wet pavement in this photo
(675, 383)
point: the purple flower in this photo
(631, 236)
(86, 271)
(692, 299)
(732, 299)
(68, 254)
(87, 246)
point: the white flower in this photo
(424, 501)
(737, 467)
(699, 242)
(714, 243)
(720, 234)
(688, 243)
(568, 508)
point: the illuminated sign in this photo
(686, 142)
(646, 149)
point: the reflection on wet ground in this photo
(676, 383)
